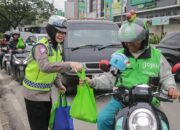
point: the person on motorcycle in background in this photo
(41, 73)
(145, 62)
(16, 42)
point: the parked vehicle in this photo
(33, 39)
(170, 47)
(88, 41)
(25, 35)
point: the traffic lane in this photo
(171, 109)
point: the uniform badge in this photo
(42, 49)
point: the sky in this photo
(59, 4)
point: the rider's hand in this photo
(76, 66)
(86, 79)
(173, 93)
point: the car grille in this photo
(94, 65)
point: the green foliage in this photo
(15, 12)
(154, 39)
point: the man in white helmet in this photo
(16, 42)
(42, 72)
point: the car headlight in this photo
(142, 119)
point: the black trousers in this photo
(38, 114)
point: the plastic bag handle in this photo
(81, 74)
(61, 99)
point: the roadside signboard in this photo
(160, 21)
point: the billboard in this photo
(81, 8)
(137, 2)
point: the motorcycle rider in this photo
(42, 72)
(15, 40)
(145, 62)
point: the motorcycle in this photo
(3, 51)
(6, 62)
(18, 64)
(138, 113)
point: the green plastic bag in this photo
(20, 44)
(84, 105)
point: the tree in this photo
(15, 12)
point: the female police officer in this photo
(42, 72)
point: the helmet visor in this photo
(64, 30)
(131, 32)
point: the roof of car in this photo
(38, 34)
(176, 32)
(90, 21)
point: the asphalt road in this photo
(172, 110)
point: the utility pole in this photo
(53, 9)
(123, 6)
(121, 11)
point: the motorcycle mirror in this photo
(176, 69)
(104, 65)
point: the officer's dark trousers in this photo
(38, 114)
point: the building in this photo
(71, 9)
(163, 15)
(95, 8)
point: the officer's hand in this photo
(173, 93)
(76, 66)
(62, 89)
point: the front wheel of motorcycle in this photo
(20, 76)
(8, 70)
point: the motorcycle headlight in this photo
(17, 61)
(142, 119)
(25, 62)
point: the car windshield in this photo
(95, 34)
(172, 39)
(40, 37)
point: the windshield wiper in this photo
(110, 45)
(84, 46)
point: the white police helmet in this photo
(58, 22)
(15, 32)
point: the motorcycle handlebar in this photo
(106, 94)
(163, 97)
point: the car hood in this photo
(167, 46)
(88, 54)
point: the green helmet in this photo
(136, 30)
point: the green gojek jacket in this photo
(35, 79)
(139, 70)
